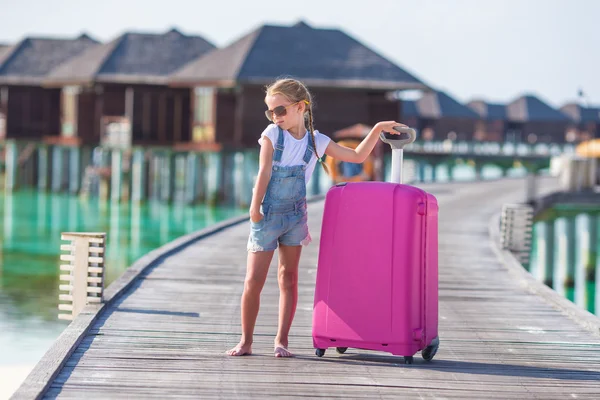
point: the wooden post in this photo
(202, 176)
(433, 172)
(450, 171)
(43, 167)
(531, 186)
(179, 190)
(227, 168)
(213, 177)
(116, 175)
(155, 164)
(191, 178)
(571, 256)
(74, 169)
(549, 236)
(85, 267)
(166, 177)
(478, 170)
(238, 178)
(8, 223)
(561, 270)
(584, 237)
(138, 175)
(421, 169)
(11, 158)
(57, 168)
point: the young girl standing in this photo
(288, 155)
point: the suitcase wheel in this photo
(320, 352)
(408, 359)
(341, 350)
(429, 351)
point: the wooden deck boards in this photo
(167, 335)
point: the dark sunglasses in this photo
(281, 111)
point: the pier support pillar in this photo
(478, 171)
(11, 158)
(116, 176)
(179, 184)
(192, 178)
(138, 175)
(74, 169)
(213, 175)
(166, 176)
(58, 164)
(44, 156)
(450, 171)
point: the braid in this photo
(312, 137)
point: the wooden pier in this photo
(168, 320)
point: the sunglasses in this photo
(281, 111)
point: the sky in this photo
(471, 49)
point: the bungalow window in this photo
(69, 111)
(204, 124)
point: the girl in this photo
(288, 155)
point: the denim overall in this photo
(284, 205)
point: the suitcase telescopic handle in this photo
(395, 140)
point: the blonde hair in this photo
(295, 91)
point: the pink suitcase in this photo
(377, 277)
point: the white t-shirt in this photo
(294, 149)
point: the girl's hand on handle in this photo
(388, 126)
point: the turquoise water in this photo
(572, 237)
(30, 242)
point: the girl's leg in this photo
(256, 274)
(287, 275)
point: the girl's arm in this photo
(265, 164)
(364, 148)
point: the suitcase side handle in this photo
(399, 143)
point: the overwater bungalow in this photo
(28, 110)
(116, 94)
(491, 124)
(530, 120)
(438, 116)
(349, 81)
(585, 122)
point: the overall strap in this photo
(279, 146)
(310, 149)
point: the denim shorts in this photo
(288, 229)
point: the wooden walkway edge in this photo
(583, 318)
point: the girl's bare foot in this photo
(282, 351)
(240, 350)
